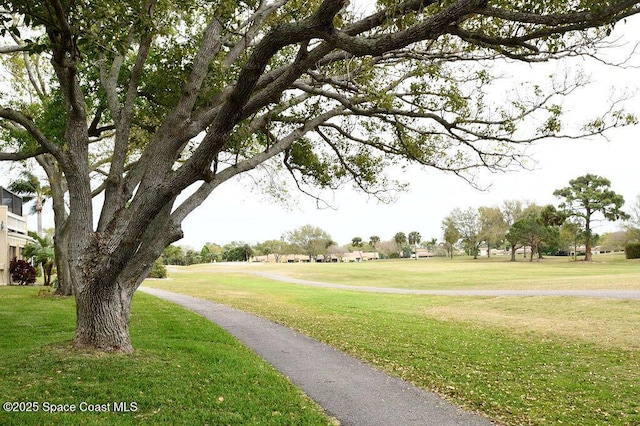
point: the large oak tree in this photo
(149, 97)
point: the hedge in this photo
(632, 250)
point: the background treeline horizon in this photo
(512, 225)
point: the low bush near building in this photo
(22, 272)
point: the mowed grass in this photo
(185, 370)
(518, 360)
(607, 271)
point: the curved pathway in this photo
(611, 294)
(347, 389)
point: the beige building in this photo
(13, 232)
(357, 256)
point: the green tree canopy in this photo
(585, 198)
(400, 238)
(492, 227)
(539, 226)
(173, 255)
(632, 226)
(310, 240)
(275, 248)
(210, 252)
(414, 238)
(237, 251)
(451, 234)
(467, 223)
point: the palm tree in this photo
(414, 238)
(42, 251)
(29, 188)
(373, 240)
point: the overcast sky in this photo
(236, 212)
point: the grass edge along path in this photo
(352, 391)
(185, 370)
(517, 378)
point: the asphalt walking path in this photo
(629, 294)
(608, 293)
(347, 389)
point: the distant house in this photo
(421, 253)
(360, 256)
(282, 258)
(13, 232)
(495, 252)
(357, 256)
(582, 249)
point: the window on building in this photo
(12, 201)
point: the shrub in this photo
(632, 250)
(22, 272)
(158, 270)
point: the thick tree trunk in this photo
(61, 236)
(65, 287)
(513, 254)
(103, 318)
(104, 287)
(39, 216)
(587, 247)
(588, 255)
(587, 231)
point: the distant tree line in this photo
(543, 230)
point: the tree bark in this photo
(63, 271)
(103, 317)
(587, 255)
(587, 243)
(104, 287)
(39, 214)
(61, 230)
(587, 247)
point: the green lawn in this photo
(185, 370)
(608, 271)
(519, 360)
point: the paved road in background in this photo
(347, 389)
(610, 294)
